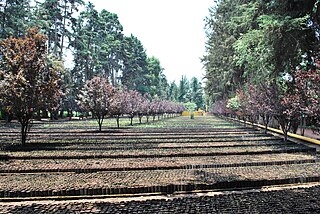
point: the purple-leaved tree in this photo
(118, 104)
(133, 104)
(27, 81)
(95, 97)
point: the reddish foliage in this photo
(220, 107)
(27, 82)
(96, 98)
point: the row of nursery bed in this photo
(179, 154)
(300, 200)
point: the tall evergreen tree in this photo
(257, 41)
(197, 93)
(134, 65)
(156, 80)
(184, 90)
(83, 44)
(14, 17)
(173, 93)
(97, 44)
(109, 45)
(55, 17)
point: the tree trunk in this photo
(63, 30)
(117, 118)
(45, 113)
(112, 77)
(61, 113)
(285, 136)
(39, 115)
(24, 132)
(7, 117)
(70, 115)
(295, 126)
(54, 115)
(4, 19)
(131, 121)
(100, 121)
(285, 126)
(303, 126)
(266, 120)
(100, 127)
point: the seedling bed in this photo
(142, 145)
(156, 152)
(140, 137)
(93, 165)
(59, 184)
(72, 159)
(294, 200)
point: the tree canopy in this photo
(257, 41)
(85, 43)
(28, 80)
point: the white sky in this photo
(171, 30)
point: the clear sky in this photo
(171, 30)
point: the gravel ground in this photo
(301, 200)
(78, 139)
(148, 162)
(64, 181)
